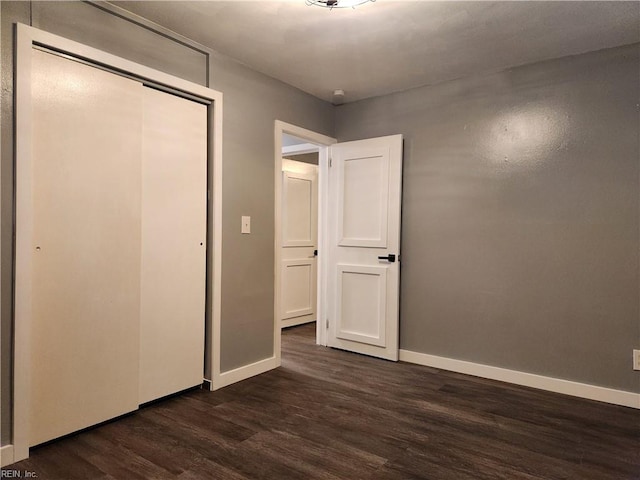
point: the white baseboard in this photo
(6, 455)
(242, 373)
(293, 322)
(567, 387)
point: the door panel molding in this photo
(361, 304)
(363, 197)
(298, 284)
(299, 209)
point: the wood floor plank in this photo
(329, 414)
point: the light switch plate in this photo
(246, 225)
(636, 359)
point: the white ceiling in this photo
(389, 45)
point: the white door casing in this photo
(364, 204)
(299, 242)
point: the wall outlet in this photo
(636, 359)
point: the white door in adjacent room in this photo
(364, 246)
(299, 243)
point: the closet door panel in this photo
(86, 252)
(174, 213)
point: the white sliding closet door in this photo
(174, 214)
(86, 252)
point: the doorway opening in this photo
(357, 277)
(301, 167)
(298, 300)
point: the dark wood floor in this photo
(329, 414)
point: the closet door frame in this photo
(27, 38)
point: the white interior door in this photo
(174, 215)
(299, 244)
(364, 239)
(86, 253)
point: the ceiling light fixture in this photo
(331, 4)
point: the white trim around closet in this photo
(27, 38)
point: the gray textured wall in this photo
(251, 105)
(520, 215)
(95, 27)
(252, 102)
